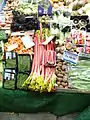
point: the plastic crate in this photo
(24, 63)
(17, 68)
(21, 78)
(9, 79)
(79, 74)
(10, 60)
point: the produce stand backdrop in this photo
(51, 66)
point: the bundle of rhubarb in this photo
(15, 44)
(42, 77)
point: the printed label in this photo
(70, 57)
(9, 74)
(10, 55)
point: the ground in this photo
(38, 116)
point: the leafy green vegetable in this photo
(79, 75)
(10, 63)
(27, 8)
(24, 63)
(9, 84)
(21, 79)
(2, 35)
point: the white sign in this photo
(49, 39)
(27, 41)
(70, 57)
(12, 47)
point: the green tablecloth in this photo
(31, 102)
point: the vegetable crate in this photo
(79, 74)
(17, 68)
(9, 78)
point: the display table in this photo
(30, 102)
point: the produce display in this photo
(27, 9)
(3, 39)
(13, 61)
(3, 36)
(6, 20)
(61, 73)
(11, 4)
(79, 75)
(10, 84)
(22, 22)
(42, 77)
(61, 67)
(15, 44)
(76, 7)
(7, 15)
(45, 33)
(51, 41)
(25, 17)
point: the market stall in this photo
(45, 51)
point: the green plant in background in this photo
(3, 36)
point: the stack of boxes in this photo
(16, 69)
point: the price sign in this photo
(27, 41)
(10, 55)
(70, 57)
(9, 74)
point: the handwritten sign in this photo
(27, 41)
